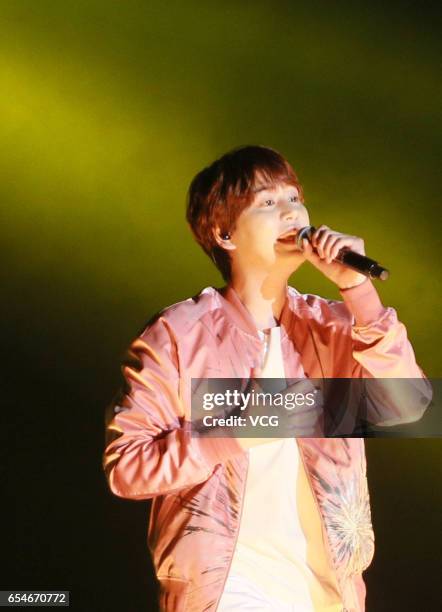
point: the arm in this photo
(379, 345)
(382, 351)
(149, 449)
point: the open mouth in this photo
(288, 238)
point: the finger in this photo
(341, 243)
(305, 412)
(332, 247)
(302, 386)
(317, 235)
(307, 247)
(338, 245)
(324, 238)
(302, 429)
(329, 243)
(309, 253)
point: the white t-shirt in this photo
(279, 562)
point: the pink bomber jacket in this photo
(198, 483)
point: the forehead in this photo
(260, 186)
(268, 181)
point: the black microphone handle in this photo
(360, 263)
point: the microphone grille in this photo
(305, 232)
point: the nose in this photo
(289, 211)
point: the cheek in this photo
(306, 216)
(255, 229)
(262, 234)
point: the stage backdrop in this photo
(108, 110)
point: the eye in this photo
(268, 202)
(294, 198)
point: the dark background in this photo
(108, 109)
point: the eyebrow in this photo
(268, 187)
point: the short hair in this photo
(219, 193)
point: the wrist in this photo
(355, 283)
(363, 302)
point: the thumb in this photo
(308, 250)
(311, 256)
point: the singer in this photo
(241, 523)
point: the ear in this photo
(222, 240)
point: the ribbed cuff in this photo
(363, 302)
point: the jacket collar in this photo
(238, 313)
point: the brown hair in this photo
(219, 193)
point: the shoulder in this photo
(181, 317)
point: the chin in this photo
(288, 262)
(289, 253)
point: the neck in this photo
(262, 295)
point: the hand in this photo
(327, 244)
(302, 420)
(297, 418)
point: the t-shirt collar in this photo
(238, 313)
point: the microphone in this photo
(348, 258)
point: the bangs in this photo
(252, 168)
(270, 177)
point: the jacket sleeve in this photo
(398, 391)
(149, 449)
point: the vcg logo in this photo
(264, 420)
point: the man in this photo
(255, 523)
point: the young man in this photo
(255, 523)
